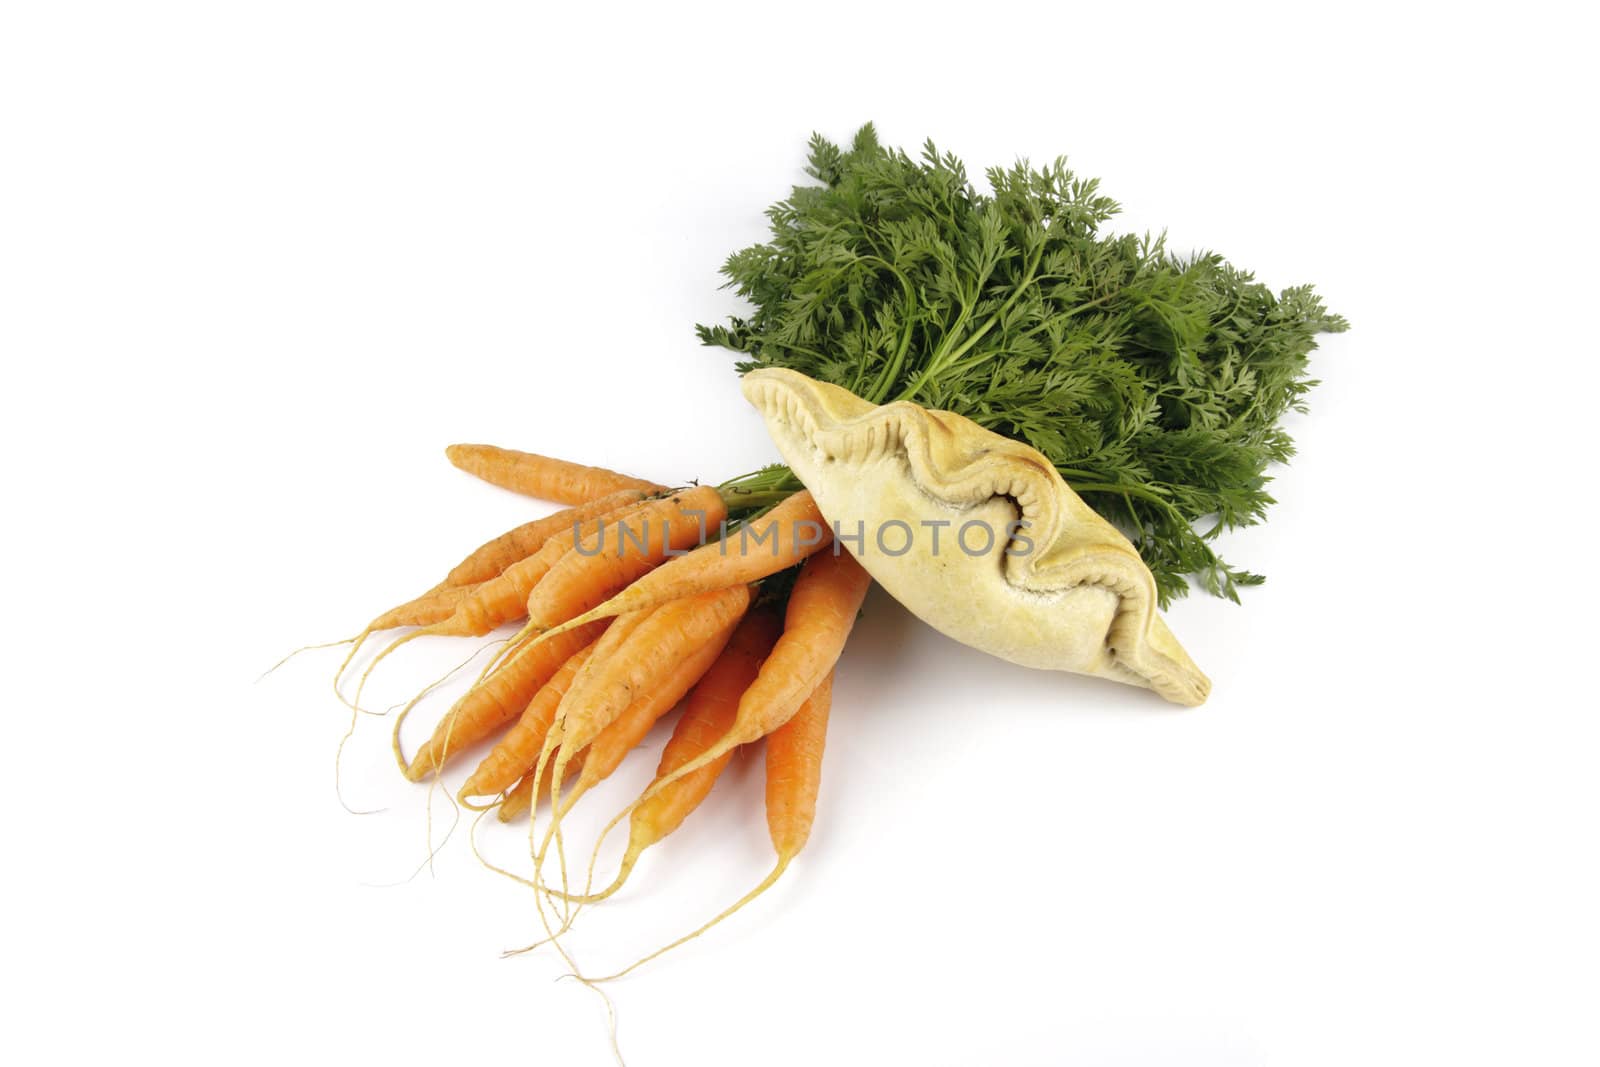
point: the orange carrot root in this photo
(491, 585)
(513, 755)
(821, 611)
(496, 701)
(794, 777)
(430, 608)
(494, 556)
(542, 476)
(607, 751)
(505, 596)
(518, 800)
(616, 554)
(707, 716)
(642, 662)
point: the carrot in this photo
(492, 557)
(438, 603)
(640, 663)
(433, 606)
(617, 632)
(706, 718)
(484, 563)
(794, 777)
(607, 751)
(822, 609)
(794, 773)
(519, 800)
(817, 622)
(607, 561)
(542, 476)
(495, 701)
(503, 598)
(577, 569)
(784, 536)
(514, 754)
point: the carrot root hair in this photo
(766, 883)
(344, 665)
(355, 703)
(400, 720)
(629, 859)
(307, 648)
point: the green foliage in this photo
(1155, 384)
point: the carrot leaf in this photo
(1155, 383)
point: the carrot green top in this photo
(1156, 384)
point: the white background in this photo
(259, 263)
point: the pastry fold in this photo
(976, 534)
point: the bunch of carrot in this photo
(632, 604)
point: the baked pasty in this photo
(976, 534)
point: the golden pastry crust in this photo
(1064, 590)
